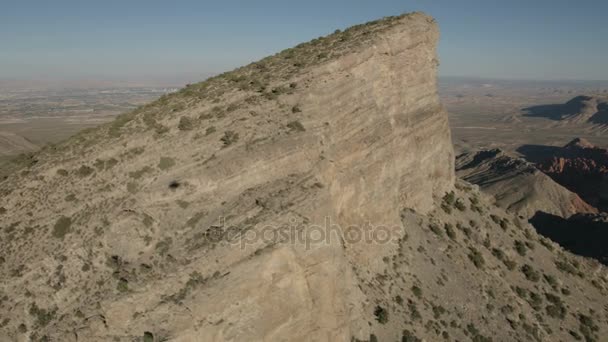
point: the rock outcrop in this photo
(581, 167)
(518, 186)
(306, 197)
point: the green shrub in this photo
(417, 291)
(476, 258)
(435, 229)
(449, 230)
(123, 285)
(296, 126)
(530, 273)
(557, 309)
(85, 171)
(229, 138)
(148, 337)
(166, 163)
(498, 253)
(210, 130)
(460, 205)
(520, 247)
(62, 227)
(409, 337)
(381, 315)
(185, 124)
(43, 316)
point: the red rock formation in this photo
(581, 167)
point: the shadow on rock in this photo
(582, 234)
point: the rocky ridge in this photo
(155, 227)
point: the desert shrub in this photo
(449, 230)
(229, 138)
(520, 247)
(123, 285)
(459, 204)
(551, 280)
(521, 292)
(414, 313)
(476, 258)
(530, 273)
(448, 202)
(498, 253)
(535, 301)
(417, 291)
(62, 227)
(85, 171)
(435, 229)
(588, 328)
(557, 309)
(210, 130)
(62, 172)
(161, 129)
(438, 310)
(185, 124)
(511, 265)
(504, 224)
(296, 126)
(409, 337)
(148, 337)
(546, 243)
(567, 267)
(381, 315)
(166, 163)
(495, 218)
(43, 316)
(296, 109)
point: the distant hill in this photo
(579, 110)
(579, 166)
(517, 185)
(13, 144)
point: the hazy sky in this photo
(524, 39)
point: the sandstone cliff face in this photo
(201, 217)
(346, 128)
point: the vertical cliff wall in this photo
(169, 220)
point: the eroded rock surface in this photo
(183, 220)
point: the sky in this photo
(134, 39)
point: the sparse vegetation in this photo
(530, 273)
(85, 171)
(381, 315)
(185, 124)
(166, 163)
(520, 247)
(296, 126)
(229, 138)
(476, 258)
(62, 227)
